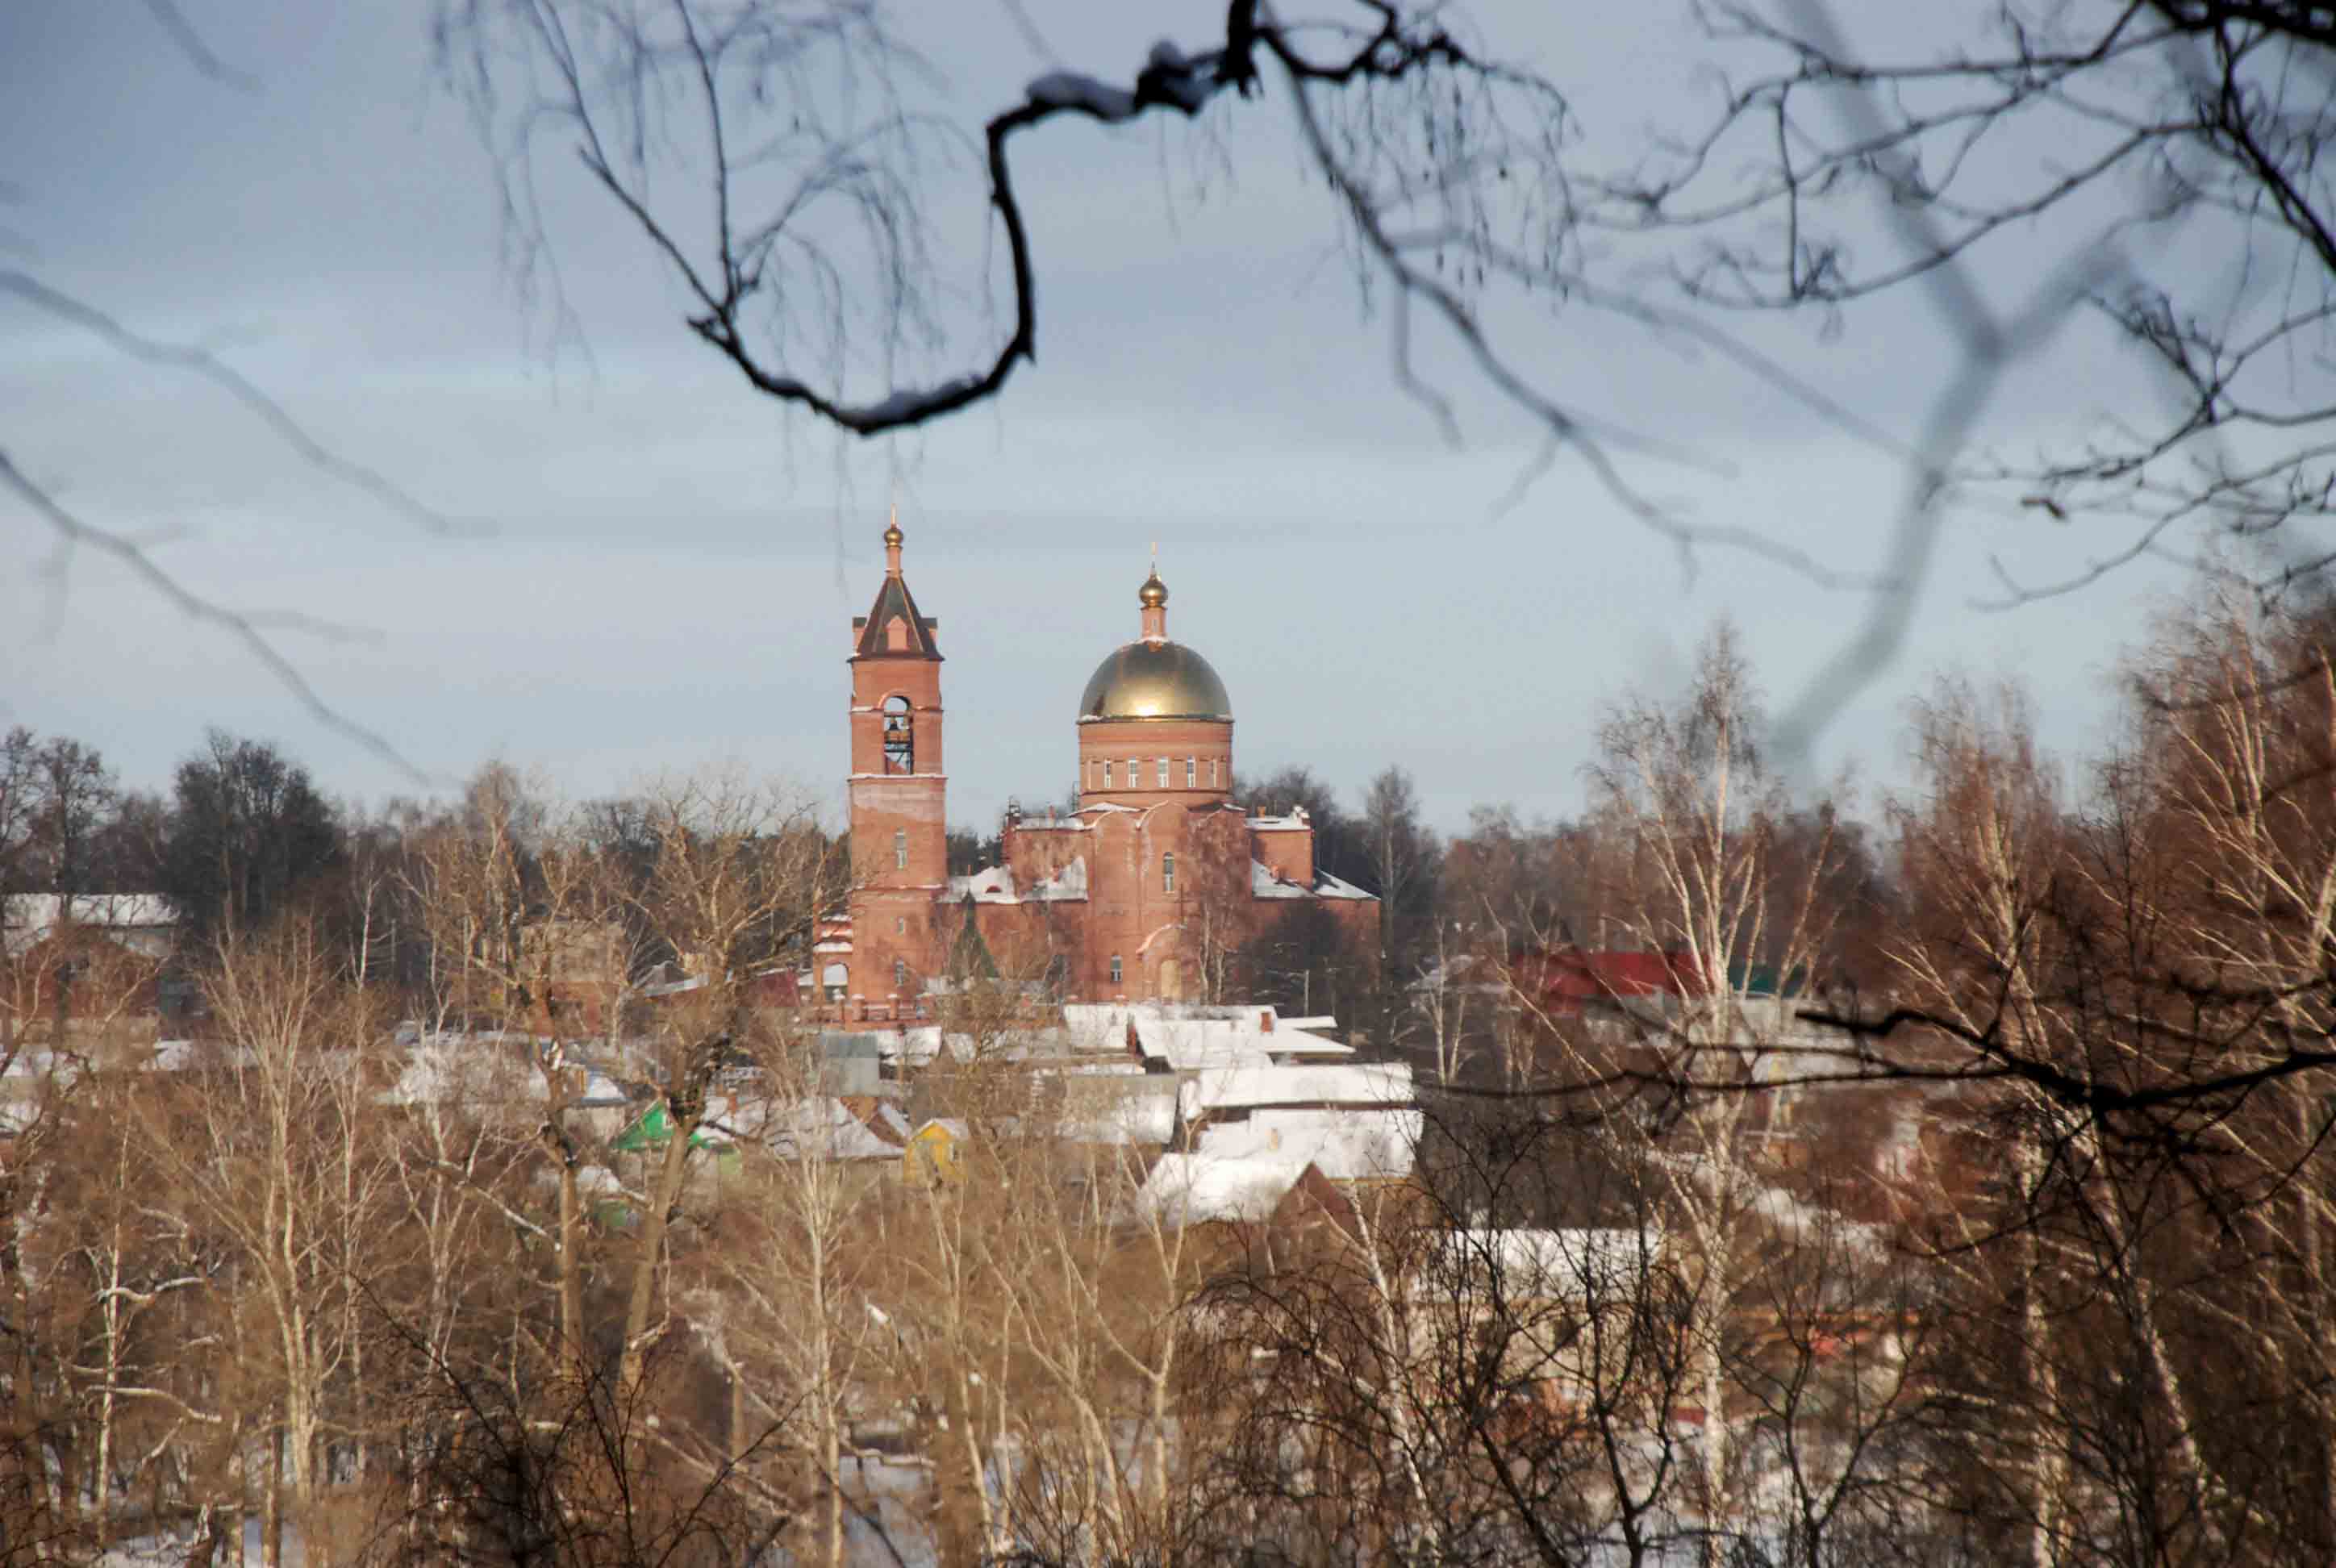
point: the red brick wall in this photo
(893, 917)
(1141, 744)
(1288, 853)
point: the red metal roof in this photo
(1569, 978)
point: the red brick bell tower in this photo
(900, 847)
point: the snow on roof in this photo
(1294, 821)
(1118, 1110)
(1194, 1189)
(1189, 1037)
(1051, 824)
(1264, 884)
(1346, 1144)
(447, 1068)
(601, 1181)
(996, 886)
(824, 1127)
(28, 918)
(992, 886)
(41, 909)
(1188, 1045)
(1370, 1085)
(1527, 1263)
(914, 1046)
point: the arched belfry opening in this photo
(899, 735)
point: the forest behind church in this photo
(1959, 1198)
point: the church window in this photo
(899, 737)
(1163, 773)
(900, 974)
(1212, 772)
(1114, 970)
(899, 925)
(1106, 775)
(900, 851)
(1192, 772)
(1167, 873)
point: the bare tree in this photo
(1403, 854)
(268, 1147)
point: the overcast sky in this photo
(664, 566)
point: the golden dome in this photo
(893, 534)
(1153, 593)
(1154, 680)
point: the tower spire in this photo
(1154, 596)
(892, 538)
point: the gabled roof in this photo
(895, 602)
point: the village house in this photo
(83, 959)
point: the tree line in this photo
(1993, 1226)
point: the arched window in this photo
(900, 974)
(899, 737)
(1106, 775)
(1115, 976)
(1167, 873)
(1192, 772)
(900, 851)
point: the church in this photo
(1139, 894)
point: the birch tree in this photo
(270, 1146)
(1691, 814)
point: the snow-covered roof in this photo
(1266, 1082)
(1346, 1144)
(915, 1047)
(41, 909)
(1051, 824)
(824, 1127)
(1188, 1039)
(1118, 1109)
(1264, 882)
(1530, 1263)
(996, 886)
(1194, 1189)
(442, 1070)
(1289, 821)
(28, 918)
